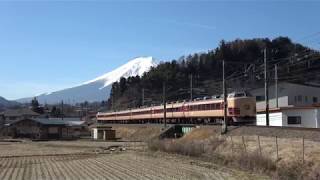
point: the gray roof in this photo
(20, 112)
(67, 119)
(100, 126)
(54, 121)
(46, 121)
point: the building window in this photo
(315, 100)
(294, 119)
(306, 99)
(299, 98)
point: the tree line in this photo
(244, 65)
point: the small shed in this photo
(102, 132)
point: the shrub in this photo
(171, 146)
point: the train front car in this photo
(241, 108)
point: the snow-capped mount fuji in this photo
(134, 67)
(99, 88)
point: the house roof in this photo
(67, 119)
(19, 112)
(261, 111)
(46, 121)
(76, 123)
(54, 121)
(100, 126)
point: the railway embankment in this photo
(281, 153)
(137, 132)
(281, 132)
(145, 132)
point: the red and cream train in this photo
(240, 109)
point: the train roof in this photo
(197, 101)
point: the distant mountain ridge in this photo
(99, 88)
(4, 103)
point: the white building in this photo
(308, 117)
(296, 106)
(289, 95)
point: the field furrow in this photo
(46, 164)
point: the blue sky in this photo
(47, 46)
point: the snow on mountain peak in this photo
(135, 67)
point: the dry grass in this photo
(171, 146)
(120, 165)
(244, 152)
(137, 132)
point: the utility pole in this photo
(191, 91)
(225, 102)
(142, 96)
(266, 88)
(112, 101)
(164, 104)
(276, 84)
(191, 87)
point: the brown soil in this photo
(135, 165)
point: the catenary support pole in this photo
(266, 88)
(164, 105)
(225, 103)
(276, 84)
(142, 96)
(191, 87)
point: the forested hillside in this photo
(244, 70)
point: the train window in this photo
(195, 108)
(315, 99)
(260, 98)
(294, 119)
(242, 94)
(237, 94)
